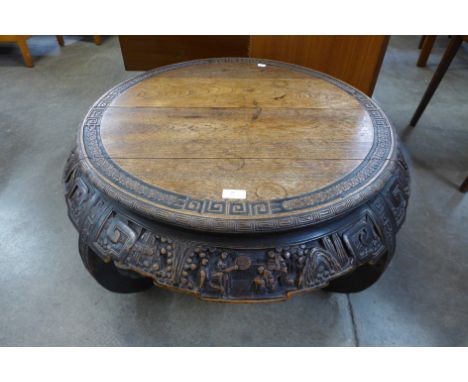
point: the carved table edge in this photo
(219, 271)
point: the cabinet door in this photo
(353, 59)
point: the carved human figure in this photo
(203, 270)
(264, 280)
(276, 264)
(220, 278)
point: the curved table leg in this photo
(112, 278)
(362, 278)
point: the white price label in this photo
(234, 194)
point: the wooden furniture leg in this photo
(60, 40)
(97, 40)
(426, 48)
(421, 41)
(464, 185)
(449, 54)
(28, 61)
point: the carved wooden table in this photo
(236, 180)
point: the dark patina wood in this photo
(444, 64)
(325, 186)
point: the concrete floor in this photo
(47, 297)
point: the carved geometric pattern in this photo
(215, 207)
(364, 240)
(194, 205)
(115, 238)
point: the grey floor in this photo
(47, 298)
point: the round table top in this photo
(236, 145)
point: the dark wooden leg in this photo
(60, 40)
(426, 49)
(362, 278)
(464, 185)
(449, 54)
(97, 40)
(28, 61)
(421, 42)
(113, 279)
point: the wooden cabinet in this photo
(148, 52)
(353, 59)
